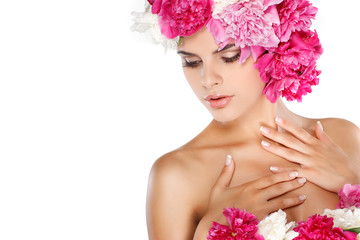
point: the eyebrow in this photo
(216, 51)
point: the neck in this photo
(247, 127)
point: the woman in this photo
(255, 154)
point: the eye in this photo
(191, 64)
(231, 59)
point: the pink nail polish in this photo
(294, 174)
(274, 169)
(228, 160)
(279, 120)
(320, 125)
(264, 130)
(265, 144)
(302, 197)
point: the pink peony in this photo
(349, 196)
(295, 15)
(290, 69)
(242, 226)
(249, 23)
(156, 6)
(321, 227)
(182, 17)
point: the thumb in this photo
(226, 174)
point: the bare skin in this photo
(189, 187)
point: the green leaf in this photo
(180, 41)
(355, 230)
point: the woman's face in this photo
(227, 88)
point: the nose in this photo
(210, 76)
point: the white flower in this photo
(345, 218)
(148, 23)
(291, 235)
(274, 227)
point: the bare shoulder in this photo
(170, 198)
(172, 168)
(344, 133)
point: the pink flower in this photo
(156, 6)
(182, 17)
(349, 196)
(242, 226)
(290, 69)
(249, 23)
(295, 15)
(321, 227)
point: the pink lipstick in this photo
(218, 101)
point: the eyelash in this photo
(194, 64)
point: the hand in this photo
(320, 160)
(260, 197)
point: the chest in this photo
(252, 163)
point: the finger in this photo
(297, 131)
(321, 135)
(286, 153)
(284, 138)
(267, 181)
(226, 174)
(276, 169)
(285, 202)
(279, 189)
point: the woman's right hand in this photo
(259, 197)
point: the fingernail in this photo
(264, 130)
(320, 125)
(302, 180)
(302, 197)
(294, 174)
(279, 120)
(265, 144)
(274, 169)
(228, 160)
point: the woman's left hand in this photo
(320, 160)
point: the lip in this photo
(218, 100)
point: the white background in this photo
(86, 107)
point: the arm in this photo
(333, 153)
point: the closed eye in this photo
(231, 59)
(191, 64)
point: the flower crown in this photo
(275, 32)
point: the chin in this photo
(225, 115)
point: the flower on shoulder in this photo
(295, 15)
(321, 227)
(275, 227)
(181, 17)
(242, 226)
(349, 196)
(290, 69)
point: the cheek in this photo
(193, 78)
(246, 80)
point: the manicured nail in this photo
(265, 144)
(279, 120)
(274, 169)
(228, 160)
(294, 174)
(264, 130)
(302, 197)
(320, 125)
(302, 181)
